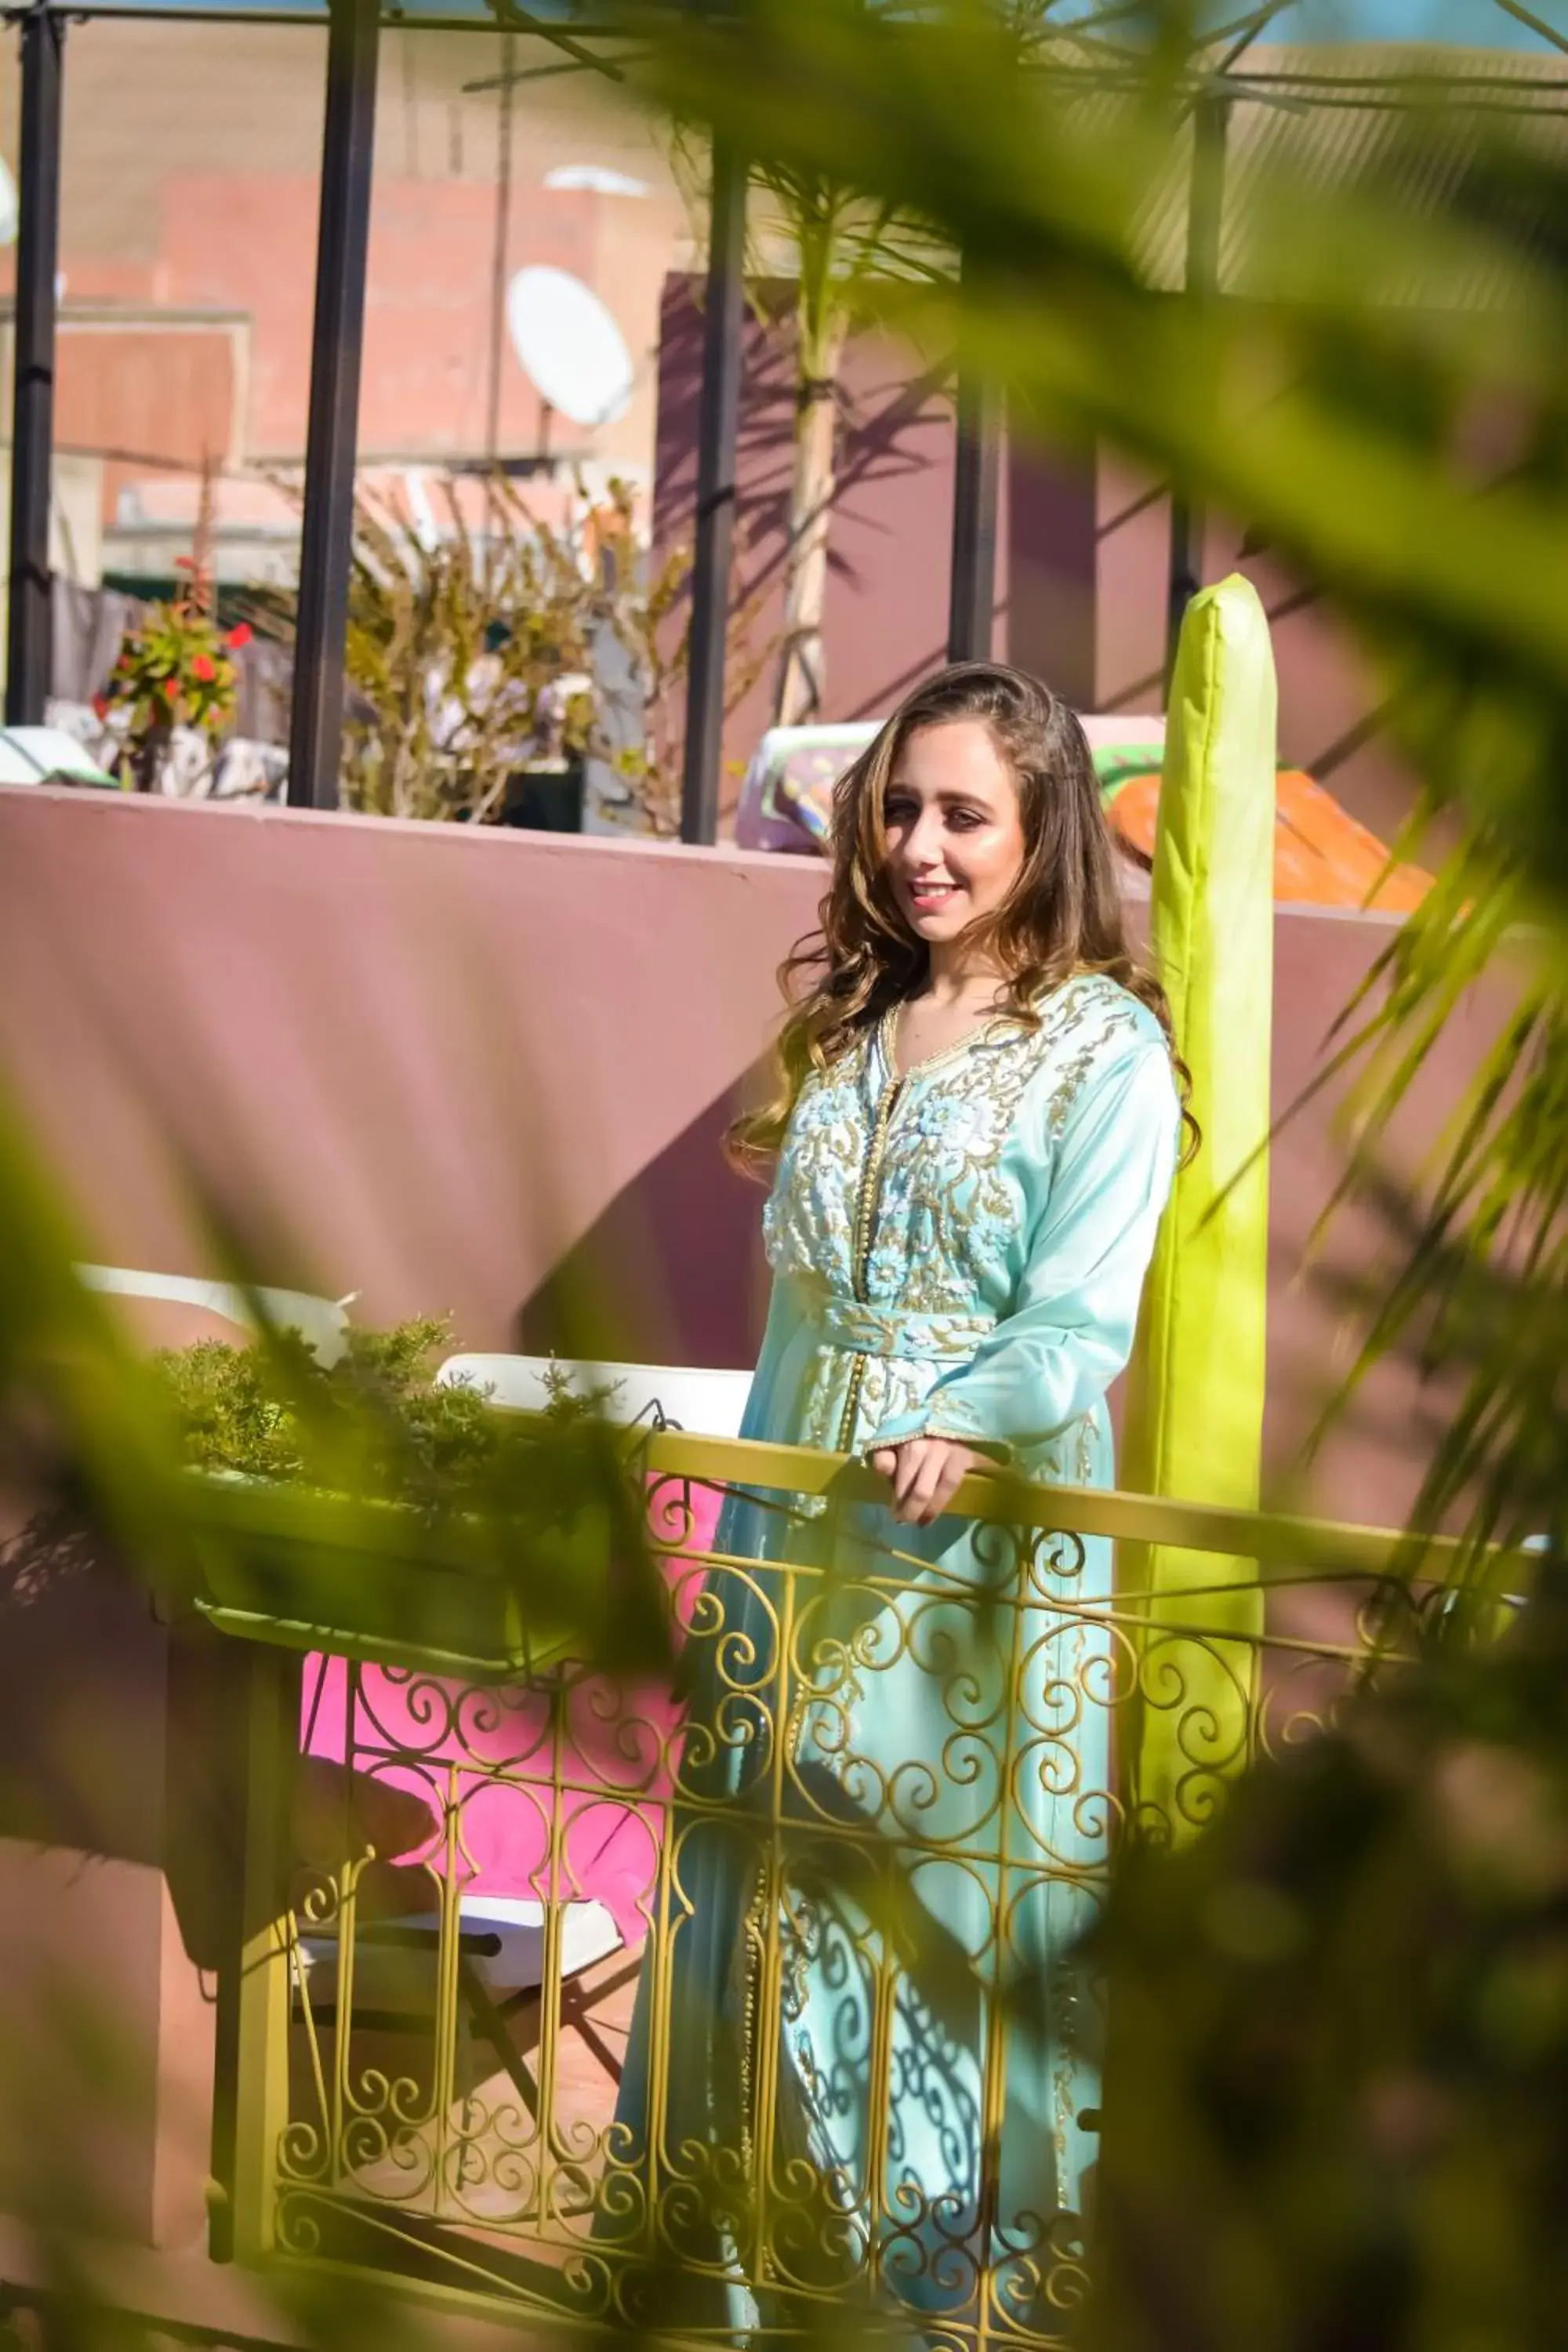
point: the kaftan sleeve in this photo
(1071, 1329)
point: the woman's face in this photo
(955, 834)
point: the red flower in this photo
(240, 634)
(101, 706)
(171, 688)
(202, 668)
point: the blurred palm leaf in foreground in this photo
(1381, 397)
(1337, 2109)
(1336, 2115)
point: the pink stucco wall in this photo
(886, 615)
(430, 1066)
(444, 1068)
(486, 1074)
(1083, 551)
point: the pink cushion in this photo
(489, 1755)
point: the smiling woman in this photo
(955, 839)
(976, 1131)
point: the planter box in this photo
(377, 1583)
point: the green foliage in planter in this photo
(373, 1423)
(517, 1538)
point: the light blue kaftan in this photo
(960, 1251)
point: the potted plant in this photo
(175, 668)
(475, 668)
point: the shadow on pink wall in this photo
(616, 1296)
(885, 607)
(1082, 560)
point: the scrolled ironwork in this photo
(915, 1780)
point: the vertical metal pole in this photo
(28, 631)
(500, 271)
(718, 434)
(972, 597)
(1205, 210)
(315, 740)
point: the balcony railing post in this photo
(251, 2107)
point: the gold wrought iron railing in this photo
(851, 1854)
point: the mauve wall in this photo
(486, 1073)
(886, 616)
(889, 547)
(1328, 699)
(431, 1065)
(1083, 553)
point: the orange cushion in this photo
(1322, 857)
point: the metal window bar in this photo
(717, 453)
(348, 146)
(972, 599)
(1206, 215)
(28, 627)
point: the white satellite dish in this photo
(597, 178)
(9, 215)
(569, 345)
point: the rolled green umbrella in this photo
(1195, 1418)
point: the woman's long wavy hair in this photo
(1063, 916)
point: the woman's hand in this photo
(925, 1474)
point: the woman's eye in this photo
(964, 820)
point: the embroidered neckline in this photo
(984, 1033)
(999, 1029)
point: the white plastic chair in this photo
(501, 1954)
(706, 1402)
(323, 1323)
